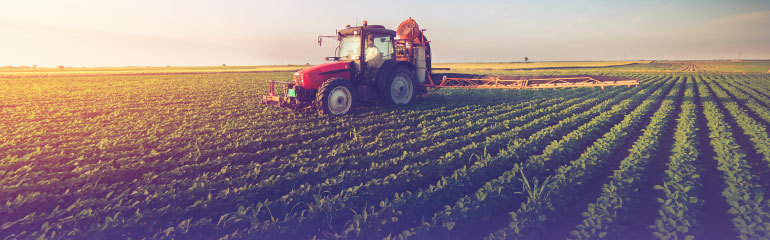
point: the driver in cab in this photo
(373, 54)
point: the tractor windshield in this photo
(350, 48)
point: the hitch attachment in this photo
(271, 98)
(294, 97)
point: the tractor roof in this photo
(370, 28)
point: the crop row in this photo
(292, 180)
(449, 157)
(680, 205)
(192, 157)
(456, 186)
(552, 195)
(375, 189)
(152, 192)
(473, 210)
(756, 131)
(744, 197)
(612, 209)
(93, 170)
(155, 193)
(744, 96)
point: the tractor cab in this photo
(367, 47)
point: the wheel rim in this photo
(401, 89)
(340, 100)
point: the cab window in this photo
(379, 48)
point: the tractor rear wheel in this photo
(335, 97)
(399, 87)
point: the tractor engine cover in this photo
(311, 78)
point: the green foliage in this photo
(189, 156)
(611, 210)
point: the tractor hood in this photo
(313, 77)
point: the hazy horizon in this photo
(82, 33)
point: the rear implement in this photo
(531, 82)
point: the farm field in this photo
(89, 155)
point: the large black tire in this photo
(335, 97)
(399, 87)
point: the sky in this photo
(92, 33)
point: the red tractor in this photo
(370, 65)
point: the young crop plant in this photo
(680, 205)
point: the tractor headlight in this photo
(297, 79)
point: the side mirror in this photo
(320, 39)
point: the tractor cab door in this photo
(379, 48)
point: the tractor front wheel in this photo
(335, 97)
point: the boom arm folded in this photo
(517, 82)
